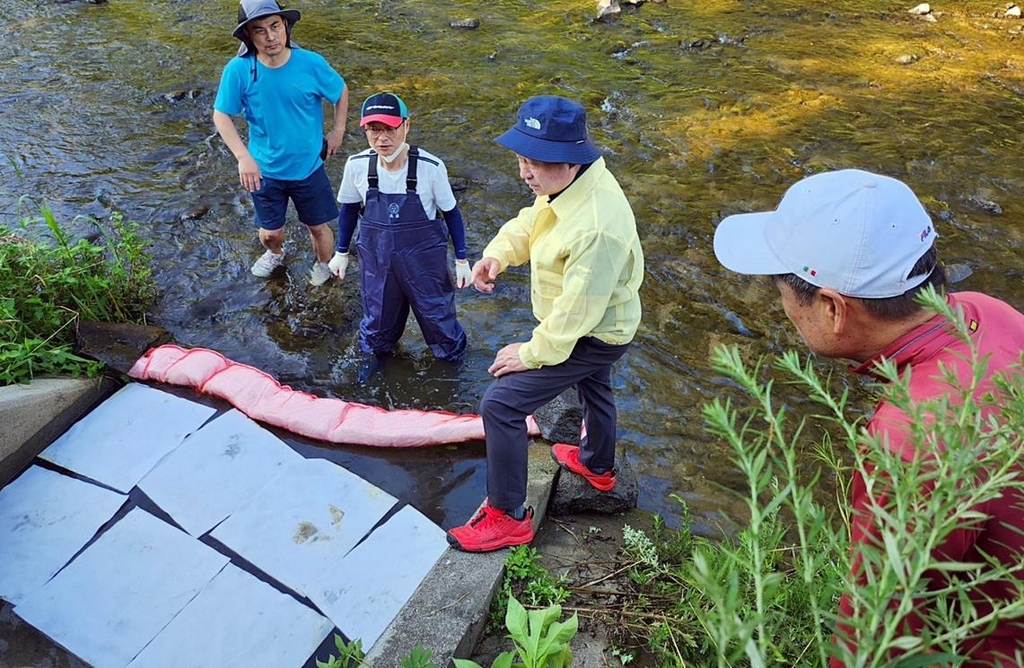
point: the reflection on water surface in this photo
(703, 110)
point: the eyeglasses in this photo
(378, 130)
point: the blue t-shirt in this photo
(283, 108)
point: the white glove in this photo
(463, 274)
(338, 265)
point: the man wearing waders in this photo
(394, 193)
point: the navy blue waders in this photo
(403, 264)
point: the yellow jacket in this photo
(586, 266)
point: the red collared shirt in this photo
(997, 331)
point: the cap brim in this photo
(741, 246)
(290, 15)
(390, 121)
(545, 150)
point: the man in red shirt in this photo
(849, 251)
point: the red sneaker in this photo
(492, 529)
(568, 457)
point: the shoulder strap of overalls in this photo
(371, 171)
(410, 176)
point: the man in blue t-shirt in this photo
(280, 88)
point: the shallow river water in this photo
(702, 110)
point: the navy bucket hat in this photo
(250, 10)
(551, 129)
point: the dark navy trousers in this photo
(512, 397)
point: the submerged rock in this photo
(195, 213)
(957, 272)
(465, 24)
(985, 205)
(118, 345)
(921, 9)
(699, 44)
(179, 95)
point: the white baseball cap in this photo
(855, 232)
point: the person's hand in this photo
(484, 272)
(338, 265)
(334, 139)
(507, 361)
(463, 274)
(249, 173)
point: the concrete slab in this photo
(446, 614)
(34, 415)
(448, 611)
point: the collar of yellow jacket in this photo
(571, 197)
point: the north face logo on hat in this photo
(532, 123)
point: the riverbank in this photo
(585, 551)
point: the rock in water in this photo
(921, 9)
(118, 345)
(607, 9)
(958, 272)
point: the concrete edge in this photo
(34, 415)
(448, 611)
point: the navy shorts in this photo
(312, 196)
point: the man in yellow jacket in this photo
(586, 267)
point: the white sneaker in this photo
(320, 274)
(267, 263)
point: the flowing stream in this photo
(702, 108)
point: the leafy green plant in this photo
(419, 657)
(625, 656)
(541, 641)
(527, 579)
(48, 288)
(350, 655)
(642, 551)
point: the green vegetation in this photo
(418, 658)
(540, 639)
(350, 654)
(46, 289)
(769, 597)
(527, 580)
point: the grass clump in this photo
(527, 580)
(48, 288)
